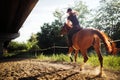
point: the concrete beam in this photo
(7, 37)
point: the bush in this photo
(15, 46)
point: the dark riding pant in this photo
(71, 33)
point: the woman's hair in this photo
(72, 11)
(69, 10)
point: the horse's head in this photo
(65, 29)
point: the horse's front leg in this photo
(69, 53)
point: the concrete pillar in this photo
(1, 48)
(6, 37)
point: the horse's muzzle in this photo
(61, 35)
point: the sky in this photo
(43, 13)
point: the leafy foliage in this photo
(83, 11)
(49, 35)
(58, 14)
(32, 43)
(107, 15)
(15, 46)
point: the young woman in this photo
(72, 22)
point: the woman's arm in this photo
(69, 23)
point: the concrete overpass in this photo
(12, 16)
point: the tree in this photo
(83, 12)
(116, 31)
(49, 35)
(58, 14)
(15, 46)
(107, 15)
(116, 34)
(32, 42)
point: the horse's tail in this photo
(109, 44)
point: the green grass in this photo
(54, 57)
(109, 62)
(112, 62)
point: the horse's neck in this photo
(80, 28)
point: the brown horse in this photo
(85, 38)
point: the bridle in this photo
(65, 29)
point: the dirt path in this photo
(33, 69)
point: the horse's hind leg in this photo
(76, 54)
(97, 49)
(84, 54)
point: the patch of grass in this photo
(53, 57)
(43, 57)
(109, 62)
(8, 55)
(93, 60)
(59, 57)
(112, 62)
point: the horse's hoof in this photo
(71, 60)
(101, 75)
(80, 69)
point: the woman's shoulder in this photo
(75, 12)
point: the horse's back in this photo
(85, 32)
(83, 38)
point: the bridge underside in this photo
(12, 16)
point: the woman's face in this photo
(69, 12)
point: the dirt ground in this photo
(34, 69)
